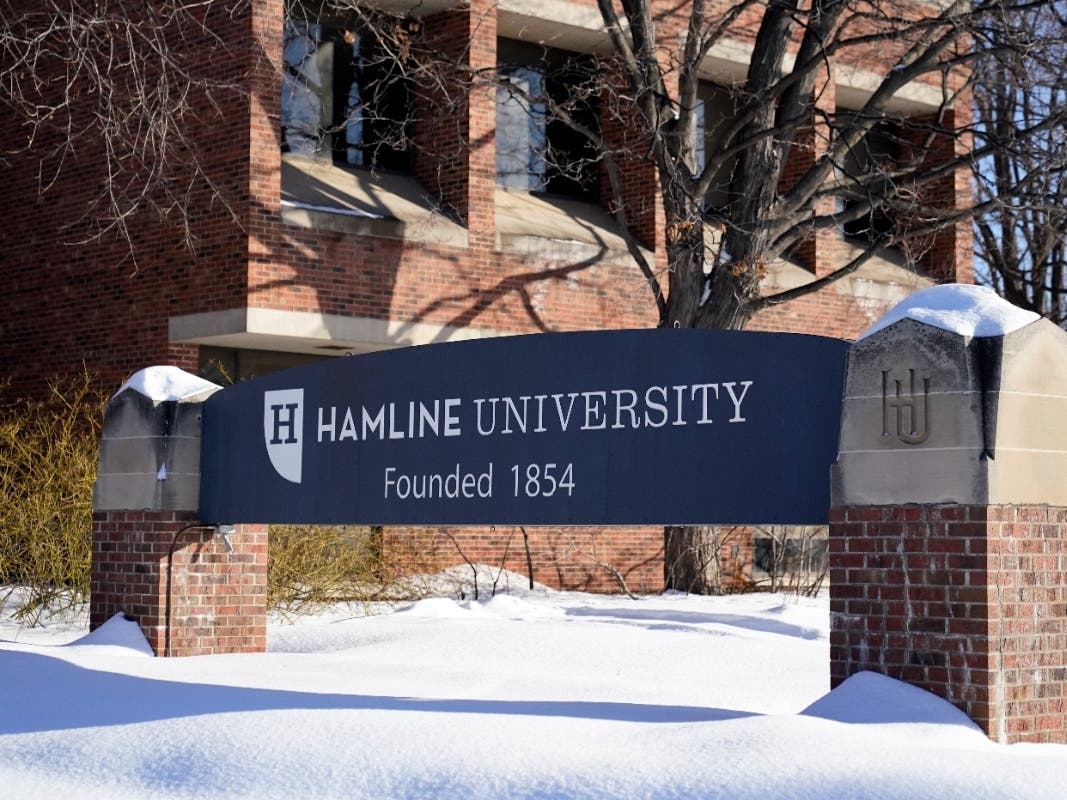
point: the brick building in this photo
(301, 251)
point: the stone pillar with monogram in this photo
(948, 554)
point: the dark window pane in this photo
(342, 97)
(870, 163)
(306, 88)
(793, 555)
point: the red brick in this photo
(947, 606)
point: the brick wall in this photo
(310, 270)
(69, 304)
(825, 313)
(154, 567)
(72, 299)
(585, 559)
(454, 154)
(968, 602)
(592, 559)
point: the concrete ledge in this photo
(310, 332)
(319, 194)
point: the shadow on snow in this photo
(42, 693)
(685, 620)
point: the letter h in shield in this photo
(283, 431)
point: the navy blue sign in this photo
(608, 427)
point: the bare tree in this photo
(892, 192)
(704, 559)
(1020, 247)
(796, 47)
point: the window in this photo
(867, 178)
(779, 556)
(535, 150)
(224, 365)
(343, 99)
(713, 115)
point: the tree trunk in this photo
(691, 552)
(691, 559)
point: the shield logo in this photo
(283, 431)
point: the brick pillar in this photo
(176, 579)
(623, 133)
(948, 554)
(966, 601)
(455, 126)
(947, 254)
(192, 591)
(817, 252)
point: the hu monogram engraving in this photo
(910, 406)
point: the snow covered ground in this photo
(526, 694)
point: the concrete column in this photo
(192, 590)
(948, 554)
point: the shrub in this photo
(48, 456)
(309, 565)
(48, 460)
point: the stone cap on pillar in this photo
(150, 444)
(956, 396)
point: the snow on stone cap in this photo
(160, 384)
(959, 308)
